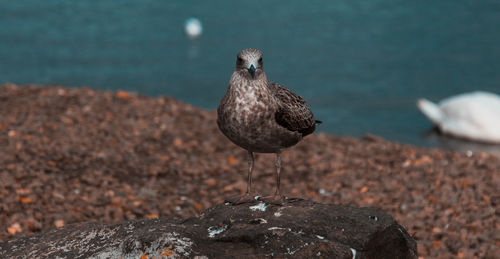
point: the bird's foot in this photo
(274, 199)
(235, 200)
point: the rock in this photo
(299, 228)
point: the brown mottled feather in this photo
(293, 112)
(260, 116)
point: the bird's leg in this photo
(278, 171)
(276, 199)
(250, 169)
(247, 197)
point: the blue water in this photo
(360, 64)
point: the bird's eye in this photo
(240, 60)
(260, 60)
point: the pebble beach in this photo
(70, 155)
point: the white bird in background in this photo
(193, 28)
(474, 116)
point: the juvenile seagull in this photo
(261, 116)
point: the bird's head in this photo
(249, 63)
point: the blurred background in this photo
(360, 65)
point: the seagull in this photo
(474, 116)
(261, 117)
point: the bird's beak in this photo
(251, 70)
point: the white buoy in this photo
(473, 116)
(193, 28)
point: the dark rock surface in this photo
(299, 228)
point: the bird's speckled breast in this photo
(246, 117)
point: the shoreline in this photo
(75, 154)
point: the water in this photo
(361, 65)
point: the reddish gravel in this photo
(75, 155)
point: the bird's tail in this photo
(430, 110)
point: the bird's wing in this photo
(293, 112)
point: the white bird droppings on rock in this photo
(275, 228)
(261, 206)
(213, 231)
(291, 252)
(353, 253)
(262, 221)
